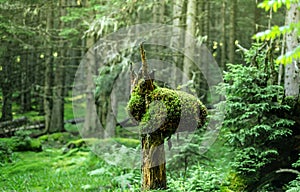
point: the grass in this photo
(51, 170)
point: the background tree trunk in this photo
(190, 29)
(232, 20)
(223, 35)
(91, 122)
(110, 129)
(291, 77)
(48, 100)
(6, 86)
(57, 113)
(177, 41)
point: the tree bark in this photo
(232, 30)
(7, 102)
(110, 129)
(154, 164)
(177, 42)
(48, 101)
(223, 35)
(190, 29)
(92, 127)
(291, 78)
(26, 78)
(6, 86)
(57, 113)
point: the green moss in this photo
(35, 145)
(19, 144)
(235, 183)
(62, 137)
(82, 143)
(166, 109)
(127, 142)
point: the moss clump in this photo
(58, 137)
(81, 143)
(35, 145)
(127, 142)
(165, 111)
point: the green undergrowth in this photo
(53, 169)
(75, 165)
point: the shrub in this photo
(255, 123)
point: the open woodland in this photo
(138, 95)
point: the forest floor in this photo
(57, 168)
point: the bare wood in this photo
(288, 171)
(144, 62)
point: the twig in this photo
(288, 171)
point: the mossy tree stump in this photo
(161, 112)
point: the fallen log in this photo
(14, 123)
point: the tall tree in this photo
(6, 85)
(232, 30)
(291, 78)
(223, 34)
(48, 102)
(190, 29)
(57, 112)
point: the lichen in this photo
(165, 111)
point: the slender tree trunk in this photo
(291, 78)
(257, 17)
(6, 86)
(177, 42)
(207, 22)
(27, 76)
(57, 113)
(232, 20)
(48, 101)
(7, 103)
(223, 35)
(154, 164)
(92, 127)
(110, 128)
(190, 29)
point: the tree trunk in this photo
(223, 36)
(154, 164)
(92, 127)
(7, 102)
(257, 18)
(26, 77)
(177, 42)
(291, 78)
(232, 30)
(110, 128)
(189, 50)
(48, 101)
(57, 113)
(6, 86)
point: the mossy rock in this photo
(165, 111)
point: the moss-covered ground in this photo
(58, 169)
